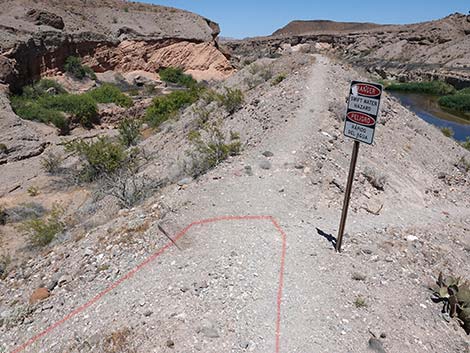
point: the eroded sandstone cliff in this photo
(36, 37)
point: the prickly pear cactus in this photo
(455, 294)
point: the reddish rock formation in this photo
(36, 37)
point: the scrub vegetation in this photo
(450, 98)
(47, 101)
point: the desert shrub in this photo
(177, 76)
(209, 96)
(129, 132)
(24, 212)
(127, 184)
(210, 148)
(466, 144)
(102, 156)
(447, 131)
(232, 99)
(33, 191)
(278, 79)
(89, 72)
(253, 69)
(463, 164)
(108, 93)
(457, 102)
(360, 302)
(3, 148)
(41, 231)
(73, 66)
(265, 72)
(375, 178)
(164, 107)
(464, 91)
(51, 162)
(33, 110)
(438, 88)
(41, 88)
(202, 114)
(128, 187)
(82, 107)
(37, 104)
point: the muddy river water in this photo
(428, 109)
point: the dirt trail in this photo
(219, 291)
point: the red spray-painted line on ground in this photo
(160, 252)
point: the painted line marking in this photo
(159, 252)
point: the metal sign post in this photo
(361, 119)
(347, 196)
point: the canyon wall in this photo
(36, 37)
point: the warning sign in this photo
(363, 111)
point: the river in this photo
(428, 109)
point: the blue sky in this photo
(248, 18)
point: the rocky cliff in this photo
(37, 36)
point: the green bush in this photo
(177, 76)
(89, 72)
(457, 102)
(37, 104)
(438, 88)
(74, 66)
(211, 148)
(41, 88)
(464, 91)
(129, 132)
(81, 106)
(447, 131)
(164, 107)
(32, 110)
(466, 143)
(102, 156)
(232, 99)
(108, 93)
(42, 231)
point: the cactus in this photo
(455, 294)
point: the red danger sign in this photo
(366, 89)
(361, 118)
(363, 111)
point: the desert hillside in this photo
(306, 27)
(425, 51)
(162, 193)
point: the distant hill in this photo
(305, 27)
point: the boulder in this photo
(39, 295)
(45, 18)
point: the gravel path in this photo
(219, 291)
